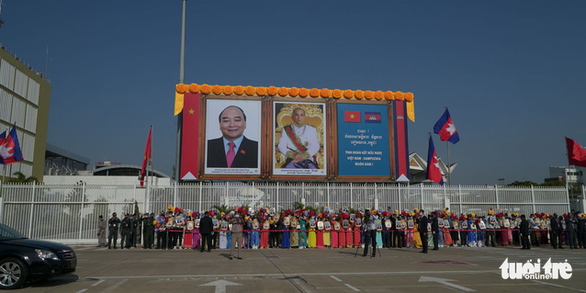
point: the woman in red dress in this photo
(357, 228)
(264, 234)
(320, 233)
(335, 228)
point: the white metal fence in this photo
(70, 212)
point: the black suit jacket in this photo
(422, 225)
(569, 225)
(206, 225)
(524, 228)
(581, 225)
(555, 225)
(246, 154)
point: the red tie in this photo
(231, 154)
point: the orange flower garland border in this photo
(293, 92)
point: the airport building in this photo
(24, 102)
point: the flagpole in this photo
(151, 158)
(449, 169)
(151, 164)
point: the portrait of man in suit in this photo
(233, 149)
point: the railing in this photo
(70, 212)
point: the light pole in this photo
(180, 115)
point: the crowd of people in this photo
(301, 228)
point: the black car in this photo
(23, 259)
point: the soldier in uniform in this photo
(126, 232)
(149, 231)
(113, 225)
(135, 230)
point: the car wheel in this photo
(13, 273)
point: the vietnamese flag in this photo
(352, 116)
(147, 156)
(576, 153)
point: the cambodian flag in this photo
(433, 170)
(372, 117)
(10, 148)
(446, 128)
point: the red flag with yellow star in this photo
(190, 137)
(147, 156)
(352, 116)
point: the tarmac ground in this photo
(454, 269)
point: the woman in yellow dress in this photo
(312, 238)
(416, 237)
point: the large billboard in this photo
(258, 133)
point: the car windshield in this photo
(7, 233)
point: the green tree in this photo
(523, 183)
(222, 209)
(21, 178)
(553, 183)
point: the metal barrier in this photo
(70, 212)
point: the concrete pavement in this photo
(458, 269)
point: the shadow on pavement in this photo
(52, 282)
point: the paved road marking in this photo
(98, 283)
(445, 282)
(220, 285)
(334, 277)
(471, 272)
(81, 291)
(115, 287)
(352, 287)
